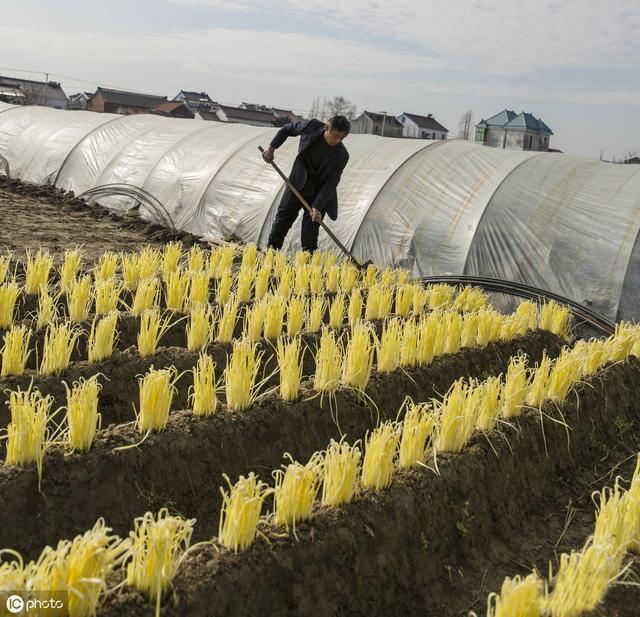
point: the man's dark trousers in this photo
(286, 215)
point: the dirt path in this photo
(35, 216)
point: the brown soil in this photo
(431, 545)
(181, 468)
(37, 216)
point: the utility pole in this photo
(384, 118)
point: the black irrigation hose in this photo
(5, 164)
(587, 315)
(134, 192)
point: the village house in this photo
(371, 123)
(29, 92)
(106, 100)
(512, 131)
(422, 127)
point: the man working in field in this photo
(316, 173)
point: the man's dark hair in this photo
(340, 123)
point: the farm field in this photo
(292, 436)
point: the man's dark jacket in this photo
(326, 200)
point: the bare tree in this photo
(339, 106)
(465, 125)
(314, 112)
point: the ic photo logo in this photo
(15, 604)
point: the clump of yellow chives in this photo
(227, 321)
(341, 466)
(404, 298)
(388, 277)
(403, 276)
(244, 284)
(632, 512)
(285, 285)
(470, 299)
(199, 288)
(555, 318)
(59, 343)
(328, 259)
(428, 327)
(240, 375)
(349, 275)
(9, 293)
(301, 282)
(455, 420)
(315, 315)
(389, 344)
(254, 321)
(263, 276)
(83, 419)
(409, 344)
(203, 392)
(381, 306)
(249, 256)
(582, 580)
(152, 328)
(566, 371)
(214, 262)
(469, 332)
(200, 327)
(147, 296)
(71, 266)
(176, 287)
(417, 428)
(370, 276)
(280, 263)
(223, 291)
(276, 306)
(5, 262)
(592, 355)
(328, 363)
(518, 597)
(171, 258)
(157, 388)
(47, 308)
(489, 326)
(619, 345)
(107, 295)
(196, 258)
(240, 511)
(80, 299)
(296, 487)
(37, 269)
(302, 258)
(106, 266)
(515, 387)
(453, 329)
(380, 449)
(440, 295)
(290, 367)
(158, 544)
(102, 337)
(354, 312)
(130, 270)
(149, 262)
(539, 387)
(296, 309)
(419, 299)
(316, 279)
(333, 279)
(527, 313)
(15, 350)
(358, 357)
(27, 434)
(336, 311)
(610, 518)
(489, 404)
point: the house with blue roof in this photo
(512, 131)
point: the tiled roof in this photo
(130, 99)
(426, 122)
(390, 120)
(236, 113)
(510, 120)
(52, 89)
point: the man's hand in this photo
(268, 154)
(316, 215)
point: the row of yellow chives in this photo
(582, 579)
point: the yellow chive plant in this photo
(107, 294)
(249, 256)
(518, 597)
(409, 343)
(389, 346)
(296, 310)
(349, 275)
(470, 299)
(240, 511)
(333, 279)
(71, 267)
(254, 321)
(15, 350)
(404, 299)
(296, 487)
(176, 288)
(302, 278)
(5, 263)
(130, 267)
(289, 354)
(328, 362)
(9, 293)
(80, 299)
(82, 419)
(149, 262)
(223, 290)
(285, 284)
(147, 296)
(171, 258)
(227, 321)
(263, 277)
(200, 327)
(417, 429)
(354, 312)
(276, 306)
(358, 357)
(102, 337)
(379, 454)
(456, 418)
(106, 267)
(516, 384)
(336, 311)
(244, 284)
(158, 544)
(240, 375)
(315, 314)
(152, 327)
(59, 343)
(340, 471)
(203, 394)
(199, 288)
(37, 269)
(196, 258)
(157, 388)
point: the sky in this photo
(573, 63)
